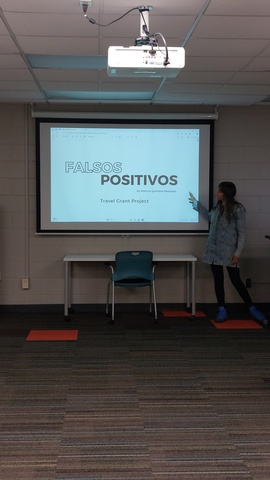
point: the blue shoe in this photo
(258, 315)
(222, 315)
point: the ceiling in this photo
(50, 53)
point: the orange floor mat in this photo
(52, 335)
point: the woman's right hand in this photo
(191, 198)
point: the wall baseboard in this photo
(208, 308)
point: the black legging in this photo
(234, 274)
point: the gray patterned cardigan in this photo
(225, 238)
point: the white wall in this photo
(242, 155)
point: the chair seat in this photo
(129, 282)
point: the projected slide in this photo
(130, 177)
(134, 184)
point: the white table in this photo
(190, 260)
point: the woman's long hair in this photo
(230, 204)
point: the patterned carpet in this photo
(133, 401)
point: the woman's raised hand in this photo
(191, 198)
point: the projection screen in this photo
(122, 176)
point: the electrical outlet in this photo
(25, 283)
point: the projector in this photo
(145, 61)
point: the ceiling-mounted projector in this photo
(145, 61)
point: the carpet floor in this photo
(135, 400)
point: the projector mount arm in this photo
(145, 38)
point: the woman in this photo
(225, 244)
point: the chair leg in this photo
(113, 295)
(108, 297)
(150, 299)
(154, 299)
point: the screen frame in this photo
(134, 230)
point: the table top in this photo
(110, 257)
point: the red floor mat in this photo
(52, 335)
(237, 325)
(181, 313)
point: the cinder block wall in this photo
(242, 155)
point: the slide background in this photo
(76, 196)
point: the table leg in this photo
(193, 289)
(188, 286)
(67, 289)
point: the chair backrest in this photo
(134, 264)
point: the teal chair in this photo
(132, 269)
